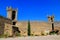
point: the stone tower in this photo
(12, 15)
(51, 20)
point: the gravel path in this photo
(55, 37)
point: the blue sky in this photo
(32, 9)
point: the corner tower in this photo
(51, 20)
(11, 13)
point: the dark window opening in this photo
(52, 26)
(13, 15)
(51, 19)
(14, 23)
(15, 29)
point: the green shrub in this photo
(42, 34)
(32, 34)
(18, 34)
(36, 35)
(52, 33)
(1, 36)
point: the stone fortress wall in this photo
(36, 27)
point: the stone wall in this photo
(36, 27)
(3, 20)
(22, 27)
(8, 29)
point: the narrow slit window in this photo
(13, 15)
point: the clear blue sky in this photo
(32, 9)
